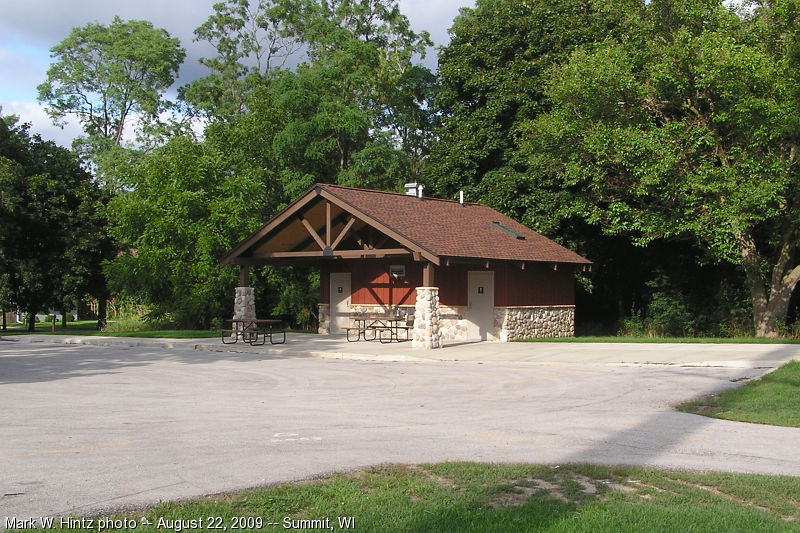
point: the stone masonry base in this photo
(324, 316)
(448, 324)
(512, 323)
(426, 319)
(244, 306)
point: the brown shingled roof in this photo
(449, 229)
(435, 228)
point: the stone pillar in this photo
(244, 306)
(426, 319)
(324, 316)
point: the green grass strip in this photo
(471, 497)
(773, 399)
(669, 340)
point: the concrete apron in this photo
(337, 347)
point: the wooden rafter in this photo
(328, 224)
(339, 219)
(343, 233)
(241, 254)
(401, 239)
(313, 232)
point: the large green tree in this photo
(686, 127)
(353, 112)
(492, 77)
(251, 38)
(105, 74)
(182, 214)
(54, 237)
(356, 110)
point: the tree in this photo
(349, 114)
(105, 74)
(492, 77)
(251, 39)
(182, 215)
(54, 232)
(359, 89)
(687, 127)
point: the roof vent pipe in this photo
(419, 190)
(461, 197)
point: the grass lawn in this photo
(89, 327)
(773, 399)
(470, 497)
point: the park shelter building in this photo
(463, 271)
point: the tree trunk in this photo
(769, 307)
(777, 306)
(32, 321)
(102, 311)
(5, 327)
(63, 319)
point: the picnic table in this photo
(385, 328)
(250, 330)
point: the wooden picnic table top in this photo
(377, 318)
(255, 320)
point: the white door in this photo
(340, 301)
(480, 304)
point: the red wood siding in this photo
(536, 285)
(452, 283)
(371, 284)
(324, 284)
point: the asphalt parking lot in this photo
(91, 429)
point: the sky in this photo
(29, 28)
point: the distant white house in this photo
(42, 316)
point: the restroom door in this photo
(340, 301)
(480, 304)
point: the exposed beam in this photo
(313, 232)
(343, 232)
(340, 219)
(401, 239)
(428, 274)
(343, 254)
(298, 207)
(244, 276)
(328, 224)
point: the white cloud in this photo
(434, 16)
(35, 114)
(30, 28)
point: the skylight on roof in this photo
(509, 231)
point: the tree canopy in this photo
(687, 127)
(658, 138)
(104, 74)
(656, 121)
(54, 236)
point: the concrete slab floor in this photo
(90, 429)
